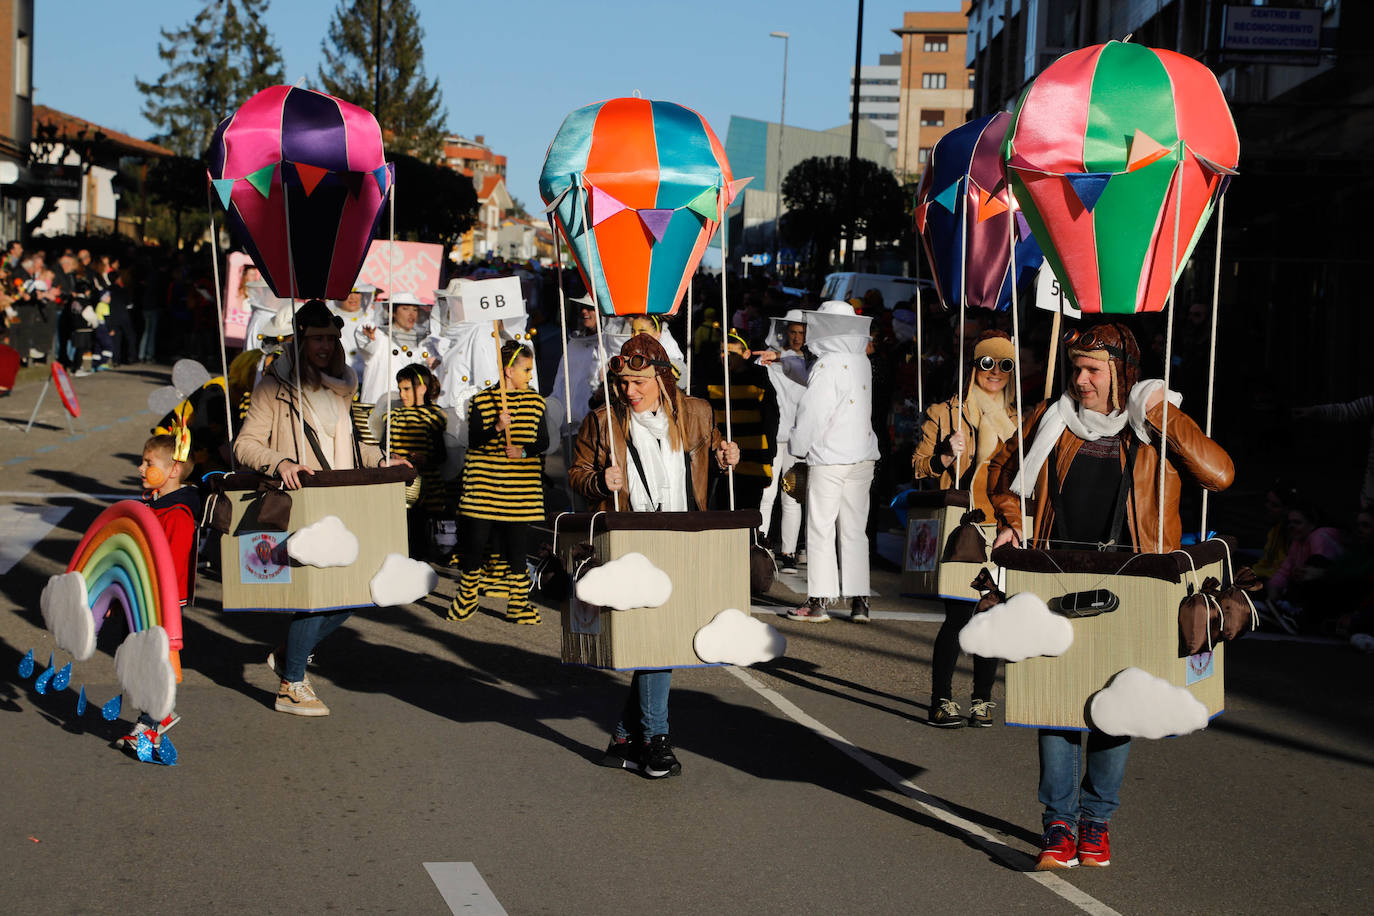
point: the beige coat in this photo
(271, 431)
(940, 423)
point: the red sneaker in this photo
(1093, 848)
(1057, 848)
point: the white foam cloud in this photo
(1138, 704)
(67, 614)
(631, 581)
(1017, 629)
(144, 667)
(402, 580)
(735, 638)
(326, 543)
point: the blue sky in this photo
(511, 71)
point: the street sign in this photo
(58, 182)
(1050, 296)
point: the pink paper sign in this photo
(239, 270)
(411, 267)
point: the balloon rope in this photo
(297, 339)
(1212, 351)
(391, 317)
(562, 318)
(219, 312)
(600, 339)
(690, 342)
(963, 304)
(1016, 337)
(920, 357)
(1168, 350)
(725, 346)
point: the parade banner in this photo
(410, 267)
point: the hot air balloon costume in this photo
(1118, 154)
(636, 189)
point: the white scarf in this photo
(326, 410)
(664, 467)
(1066, 413)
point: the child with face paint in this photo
(417, 433)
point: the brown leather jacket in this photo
(591, 455)
(1204, 461)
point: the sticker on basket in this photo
(263, 560)
(922, 541)
(1200, 667)
(583, 618)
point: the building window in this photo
(970, 80)
(923, 155)
(931, 118)
(936, 44)
(932, 81)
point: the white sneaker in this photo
(299, 699)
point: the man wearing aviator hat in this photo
(1092, 467)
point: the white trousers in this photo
(791, 509)
(837, 509)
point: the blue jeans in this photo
(1100, 785)
(646, 707)
(305, 633)
(147, 346)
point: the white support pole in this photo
(725, 344)
(1212, 350)
(297, 339)
(600, 341)
(1016, 340)
(391, 320)
(1169, 347)
(219, 316)
(562, 319)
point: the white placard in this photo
(1050, 296)
(490, 300)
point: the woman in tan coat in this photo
(287, 435)
(955, 449)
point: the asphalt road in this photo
(810, 784)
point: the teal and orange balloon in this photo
(1117, 154)
(637, 189)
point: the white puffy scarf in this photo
(1066, 413)
(664, 466)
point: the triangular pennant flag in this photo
(735, 187)
(1023, 229)
(1213, 166)
(604, 206)
(948, 197)
(707, 203)
(262, 179)
(379, 174)
(1144, 150)
(1225, 183)
(354, 182)
(553, 204)
(921, 217)
(1088, 186)
(656, 221)
(224, 187)
(989, 206)
(309, 176)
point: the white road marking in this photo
(994, 846)
(24, 527)
(463, 889)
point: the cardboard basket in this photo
(1143, 631)
(931, 519)
(706, 554)
(257, 575)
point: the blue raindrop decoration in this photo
(145, 747)
(41, 684)
(110, 711)
(26, 665)
(63, 677)
(81, 701)
(167, 752)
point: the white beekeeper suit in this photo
(834, 433)
(353, 322)
(262, 305)
(788, 376)
(380, 364)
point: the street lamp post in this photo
(782, 122)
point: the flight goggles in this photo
(636, 362)
(986, 363)
(1090, 340)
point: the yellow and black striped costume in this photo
(495, 487)
(417, 433)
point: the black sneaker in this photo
(944, 713)
(787, 561)
(858, 609)
(980, 714)
(658, 758)
(622, 755)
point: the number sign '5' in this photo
(492, 300)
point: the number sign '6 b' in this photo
(492, 300)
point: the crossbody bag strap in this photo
(313, 441)
(1123, 490)
(639, 466)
